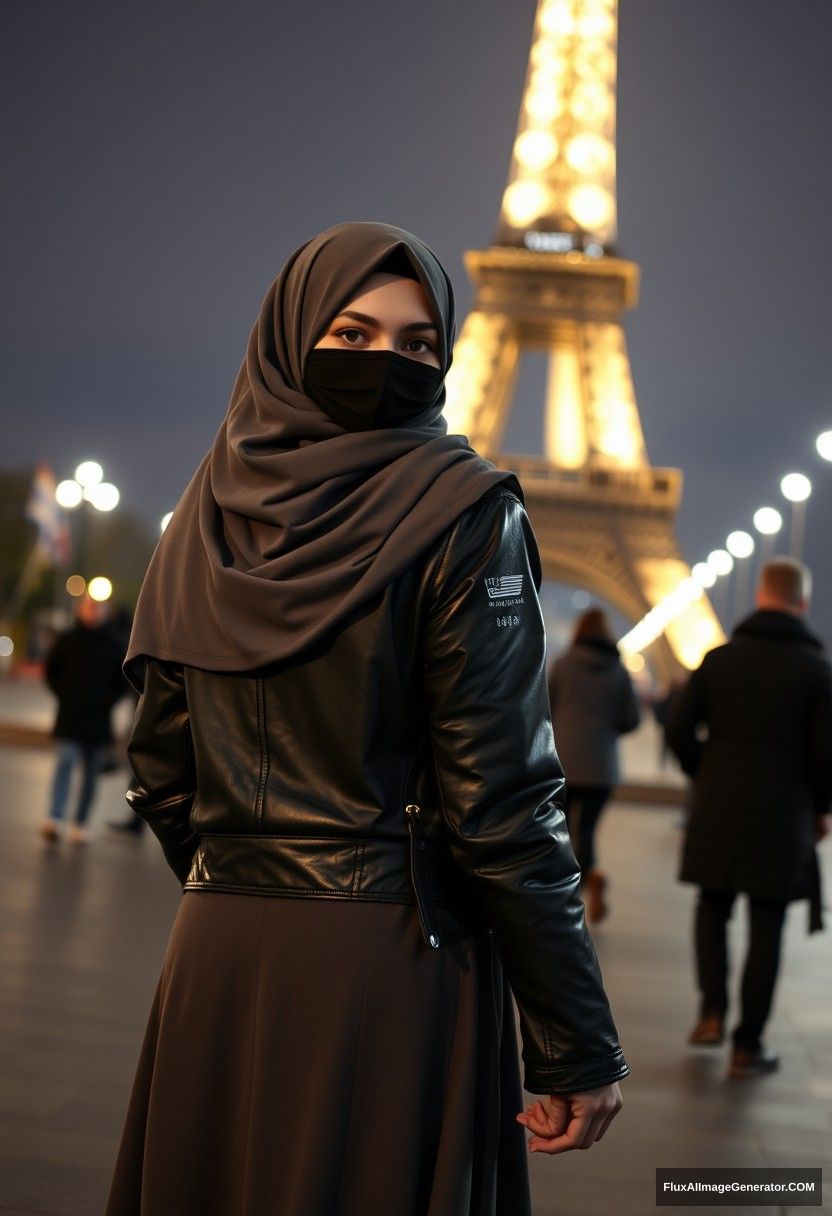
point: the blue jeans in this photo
(91, 756)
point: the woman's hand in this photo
(563, 1122)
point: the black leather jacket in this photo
(407, 758)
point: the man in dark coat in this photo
(762, 785)
(83, 669)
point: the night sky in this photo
(161, 160)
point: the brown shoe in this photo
(595, 884)
(708, 1032)
(747, 1063)
(49, 831)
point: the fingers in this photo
(555, 1130)
(549, 1119)
(564, 1123)
(574, 1137)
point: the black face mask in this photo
(360, 389)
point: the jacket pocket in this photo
(421, 873)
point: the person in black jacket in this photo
(762, 783)
(83, 670)
(344, 747)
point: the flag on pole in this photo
(42, 509)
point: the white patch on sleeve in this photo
(505, 591)
(504, 586)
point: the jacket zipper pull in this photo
(419, 864)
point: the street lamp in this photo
(100, 588)
(740, 545)
(796, 488)
(89, 473)
(704, 575)
(823, 443)
(721, 562)
(68, 494)
(87, 490)
(768, 521)
(104, 497)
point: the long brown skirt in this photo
(311, 1057)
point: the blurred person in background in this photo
(753, 729)
(83, 670)
(122, 621)
(593, 702)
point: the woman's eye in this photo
(426, 348)
(349, 336)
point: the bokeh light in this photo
(100, 588)
(823, 443)
(768, 520)
(89, 473)
(704, 575)
(75, 584)
(796, 487)
(721, 562)
(104, 497)
(68, 493)
(740, 544)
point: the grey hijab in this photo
(291, 522)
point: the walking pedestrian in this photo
(122, 619)
(346, 753)
(762, 784)
(593, 703)
(84, 671)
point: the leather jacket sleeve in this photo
(500, 782)
(161, 755)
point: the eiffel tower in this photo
(604, 517)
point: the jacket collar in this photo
(779, 626)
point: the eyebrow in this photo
(362, 316)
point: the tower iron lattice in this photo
(552, 282)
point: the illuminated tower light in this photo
(563, 171)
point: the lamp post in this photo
(740, 545)
(823, 443)
(768, 521)
(721, 563)
(796, 488)
(86, 491)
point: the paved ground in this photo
(83, 932)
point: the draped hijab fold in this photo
(291, 522)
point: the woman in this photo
(592, 702)
(351, 770)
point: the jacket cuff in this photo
(576, 1078)
(170, 823)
